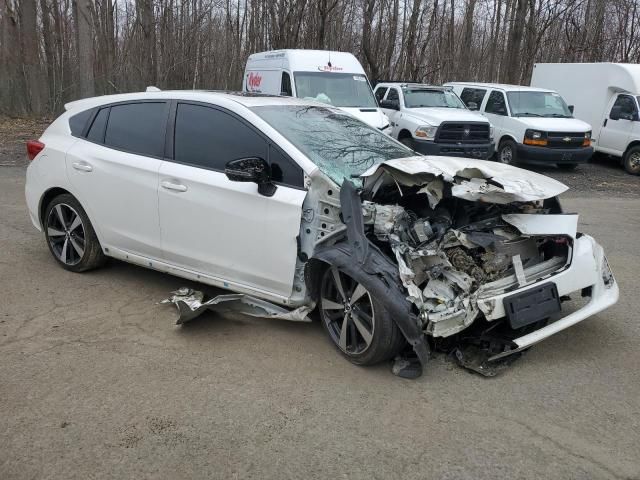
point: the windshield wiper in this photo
(558, 115)
(529, 114)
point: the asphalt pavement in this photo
(96, 380)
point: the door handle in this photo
(82, 166)
(605, 123)
(178, 187)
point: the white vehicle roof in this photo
(243, 98)
(412, 84)
(305, 61)
(500, 86)
(619, 77)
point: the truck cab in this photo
(334, 78)
(607, 95)
(433, 120)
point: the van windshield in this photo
(340, 145)
(538, 104)
(422, 97)
(337, 89)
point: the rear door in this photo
(225, 229)
(615, 133)
(114, 172)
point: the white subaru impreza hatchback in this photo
(295, 205)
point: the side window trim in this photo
(170, 155)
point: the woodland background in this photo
(54, 51)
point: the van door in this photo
(618, 125)
(495, 109)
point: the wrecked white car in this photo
(294, 206)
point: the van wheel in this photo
(70, 236)
(632, 161)
(357, 323)
(507, 152)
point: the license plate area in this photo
(535, 304)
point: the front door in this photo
(615, 133)
(224, 229)
(495, 109)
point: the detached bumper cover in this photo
(546, 155)
(482, 151)
(589, 270)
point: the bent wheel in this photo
(357, 325)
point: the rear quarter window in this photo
(78, 121)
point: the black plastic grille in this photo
(565, 139)
(450, 132)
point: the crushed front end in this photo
(484, 251)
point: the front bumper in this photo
(585, 273)
(482, 151)
(546, 156)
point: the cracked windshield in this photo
(341, 146)
(337, 89)
(538, 104)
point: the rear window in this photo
(78, 121)
(137, 128)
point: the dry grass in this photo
(14, 132)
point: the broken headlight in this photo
(427, 132)
(607, 274)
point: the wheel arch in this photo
(507, 136)
(634, 143)
(404, 133)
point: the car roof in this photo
(501, 86)
(248, 99)
(412, 84)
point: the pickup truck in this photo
(434, 121)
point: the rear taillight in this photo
(34, 147)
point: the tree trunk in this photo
(84, 45)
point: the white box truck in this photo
(605, 95)
(335, 78)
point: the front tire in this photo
(70, 235)
(357, 323)
(507, 153)
(408, 142)
(632, 161)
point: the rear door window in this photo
(137, 128)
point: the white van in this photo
(604, 94)
(335, 78)
(531, 125)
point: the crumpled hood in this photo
(436, 115)
(475, 180)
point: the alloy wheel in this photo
(347, 311)
(66, 234)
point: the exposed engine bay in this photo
(451, 251)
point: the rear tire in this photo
(356, 322)
(507, 152)
(70, 235)
(632, 161)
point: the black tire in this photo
(70, 235)
(632, 160)
(347, 319)
(507, 153)
(567, 167)
(407, 142)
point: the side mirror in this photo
(251, 169)
(472, 106)
(571, 107)
(391, 104)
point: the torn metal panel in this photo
(190, 304)
(532, 224)
(475, 180)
